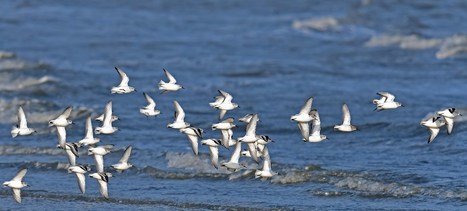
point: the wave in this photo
(7, 55)
(447, 47)
(320, 24)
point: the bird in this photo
(263, 140)
(217, 102)
(233, 165)
(304, 115)
(21, 128)
(193, 135)
(150, 109)
(386, 101)
(226, 104)
(265, 172)
(103, 179)
(99, 153)
(448, 115)
(213, 145)
(89, 135)
(224, 125)
(123, 87)
(226, 139)
(106, 127)
(433, 124)
(315, 135)
(61, 135)
(346, 125)
(71, 150)
(170, 86)
(79, 171)
(179, 122)
(63, 119)
(246, 118)
(123, 164)
(17, 183)
(250, 137)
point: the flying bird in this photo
(123, 87)
(346, 125)
(16, 184)
(193, 135)
(123, 164)
(21, 128)
(171, 85)
(150, 109)
(89, 135)
(106, 127)
(179, 122)
(103, 179)
(63, 119)
(79, 171)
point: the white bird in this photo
(17, 183)
(304, 130)
(123, 164)
(103, 179)
(304, 115)
(107, 127)
(346, 124)
(448, 115)
(433, 124)
(79, 171)
(61, 135)
(386, 102)
(193, 135)
(266, 171)
(263, 140)
(99, 153)
(22, 127)
(71, 150)
(246, 118)
(179, 122)
(250, 137)
(227, 139)
(170, 86)
(315, 135)
(213, 145)
(63, 119)
(226, 104)
(233, 164)
(150, 109)
(123, 87)
(89, 135)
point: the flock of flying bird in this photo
(257, 144)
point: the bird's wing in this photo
(89, 131)
(71, 156)
(151, 102)
(17, 194)
(316, 130)
(266, 160)
(107, 122)
(66, 113)
(61, 134)
(103, 188)
(433, 133)
(251, 127)
(252, 150)
(227, 96)
(99, 163)
(19, 176)
(124, 78)
(194, 143)
(226, 137)
(304, 129)
(449, 124)
(214, 151)
(229, 120)
(222, 113)
(307, 106)
(22, 118)
(126, 155)
(170, 77)
(179, 113)
(81, 182)
(345, 115)
(236, 153)
(389, 97)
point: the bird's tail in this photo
(161, 83)
(14, 132)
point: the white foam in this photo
(321, 24)
(7, 55)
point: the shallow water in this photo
(271, 56)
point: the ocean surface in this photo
(271, 56)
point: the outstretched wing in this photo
(214, 151)
(22, 118)
(307, 106)
(20, 175)
(107, 122)
(170, 77)
(433, 133)
(227, 96)
(66, 113)
(345, 115)
(81, 182)
(304, 129)
(151, 102)
(251, 127)
(179, 113)
(124, 78)
(17, 194)
(126, 155)
(389, 97)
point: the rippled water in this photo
(271, 56)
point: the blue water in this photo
(271, 56)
